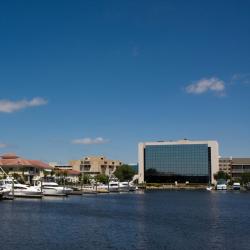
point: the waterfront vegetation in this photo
(221, 175)
(124, 173)
(243, 179)
(101, 178)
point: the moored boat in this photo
(236, 186)
(221, 184)
(113, 186)
(4, 192)
(124, 186)
(221, 187)
(20, 190)
(51, 188)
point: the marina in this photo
(125, 125)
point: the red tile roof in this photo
(12, 160)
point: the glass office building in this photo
(181, 161)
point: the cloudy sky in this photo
(97, 77)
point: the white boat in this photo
(236, 186)
(113, 186)
(53, 189)
(132, 186)
(90, 189)
(101, 188)
(124, 186)
(4, 192)
(221, 186)
(20, 190)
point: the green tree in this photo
(86, 179)
(124, 173)
(45, 174)
(245, 178)
(52, 173)
(221, 175)
(102, 178)
(18, 177)
(65, 175)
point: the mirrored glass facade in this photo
(169, 163)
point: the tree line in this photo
(243, 179)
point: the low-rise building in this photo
(94, 165)
(27, 169)
(65, 171)
(235, 166)
(225, 164)
(56, 165)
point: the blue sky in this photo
(97, 77)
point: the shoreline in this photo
(176, 187)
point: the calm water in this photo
(150, 220)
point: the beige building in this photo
(94, 165)
(66, 171)
(225, 165)
(235, 167)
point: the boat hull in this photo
(221, 188)
(27, 194)
(53, 192)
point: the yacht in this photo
(4, 192)
(132, 186)
(20, 190)
(53, 189)
(124, 186)
(236, 186)
(113, 186)
(221, 186)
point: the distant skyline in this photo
(97, 77)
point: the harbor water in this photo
(144, 220)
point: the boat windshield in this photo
(50, 185)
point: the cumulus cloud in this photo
(202, 86)
(7, 106)
(89, 141)
(241, 78)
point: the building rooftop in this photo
(12, 160)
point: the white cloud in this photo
(3, 145)
(7, 106)
(89, 141)
(241, 78)
(212, 84)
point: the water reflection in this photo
(150, 220)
